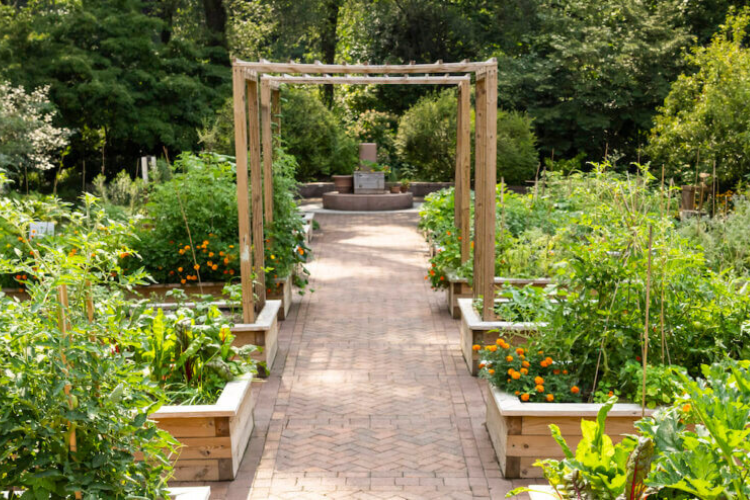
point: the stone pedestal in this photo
(369, 182)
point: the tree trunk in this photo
(216, 21)
(328, 42)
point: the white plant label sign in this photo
(38, 229)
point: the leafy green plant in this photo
(75, 406)
(598, 469)
(525, 304)
(190, 353)
(710, 461)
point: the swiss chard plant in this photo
(599, 469)
(189, 352)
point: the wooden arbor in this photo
(250, 83)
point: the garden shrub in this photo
(427, 137)
(55, 381)
(724, 238)
(706, 115)
(202, 193)
(517, 156)
(427, 140)
(313, 135)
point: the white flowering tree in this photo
(28, 139)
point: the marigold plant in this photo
(530, 374)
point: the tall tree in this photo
(328, 39)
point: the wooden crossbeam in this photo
(368, 80)
(292, 67)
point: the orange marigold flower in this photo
(556, 372)
(214, 267)
(565, 372)
(524, 397)
(516, 375)
(518, 392)
(575, 389)
(442, 278)
(610, 394)
(686, 408)
(179, 269)
(197, 266)
(500, 342)
(539, 381)
(524, 371)
(548, 360)
(539, 388)
(491, 371)
(210, 254)
(509, 359)
(510, 371)
(226, 261)
(550, 397)
(481, 365)
(520, 351)
(526, 364)
(183, 281)
(476, 347)
(492, 348)
(448, 233)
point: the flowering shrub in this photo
(531, 375)
(28, 140)
(202, 196)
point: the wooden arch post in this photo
(247, 139)
(485, 189)
(462, 197)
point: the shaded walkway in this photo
(370, 397)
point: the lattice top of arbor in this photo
(254, 80)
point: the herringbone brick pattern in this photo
(370, 398)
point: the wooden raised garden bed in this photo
(520, 431)
(159, 291)
(263, 333)
(458, 288)
(282, 290)
(214, 437)
(194, 493)
(475, 331)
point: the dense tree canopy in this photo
(134, 77)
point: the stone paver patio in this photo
(370, 397)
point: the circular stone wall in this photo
(367, 202)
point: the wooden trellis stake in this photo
(62, 323)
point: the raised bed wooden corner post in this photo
(485, 187)
(462, 199)
(243, 202)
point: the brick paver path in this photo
(370, 397)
